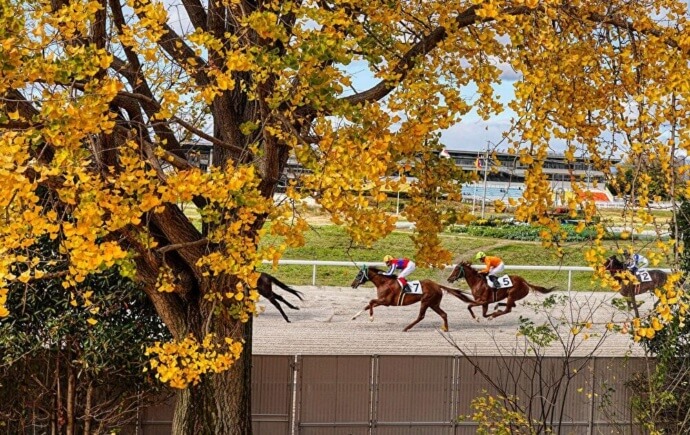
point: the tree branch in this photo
(177, 246)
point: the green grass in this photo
(330, 243)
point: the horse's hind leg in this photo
(277, 305)
(422, 311)
(443, 315)
(281, 299)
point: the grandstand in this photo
(505, 176)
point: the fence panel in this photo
(414, 395)
(612, 393)
(272, 387)
(334, 395)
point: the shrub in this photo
(523, 232)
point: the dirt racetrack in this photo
(323, 326)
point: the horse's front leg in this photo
(469, 308)
(373, 303)
(485, 309)
(634, 303)
(361, 311)
(510, 303)
(370, 306)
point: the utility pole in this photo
(486, 167)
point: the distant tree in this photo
(627, 179)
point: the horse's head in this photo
(458, 272)
(362, 276)
(613, 264)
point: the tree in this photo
(624, 181)
(99, 98)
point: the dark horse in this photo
(389, 293)
(265, 287)
(628, 290)
(485, 295)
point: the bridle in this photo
(460, 272)
(363, 275)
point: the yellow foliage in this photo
(183, 362)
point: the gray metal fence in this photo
(406, 395)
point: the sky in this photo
(474, 133)
(471, 133)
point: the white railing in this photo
(315, 263)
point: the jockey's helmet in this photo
(479, 255)
(387, 258)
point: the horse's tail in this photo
(458, 294)
(540, 289)
(284, 286)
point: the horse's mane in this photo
(378, 271)
(616, 263)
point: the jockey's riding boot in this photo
(494, 280)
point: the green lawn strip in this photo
(330, 243)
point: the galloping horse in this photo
(657, 278)
(265, 287)
(485, 295)
(389, 293)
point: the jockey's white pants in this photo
(408, 270)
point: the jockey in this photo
(492, 267)
(635, 262)
(405, 264)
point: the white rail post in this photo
(313, 275)
(570, 279)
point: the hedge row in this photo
(525, 232)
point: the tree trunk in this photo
(71, 394)
(221, 403)
(87, 409)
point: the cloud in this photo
(508, 73)
(474, 134)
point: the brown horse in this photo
(485, 295)
(265, 287)
(617, 269)
(389, 293)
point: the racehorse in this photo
(265, 287)
(657, 278)
(389, 292)
(485, 295)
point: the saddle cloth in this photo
(643, 275)
(503, 281)
(415, 287)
